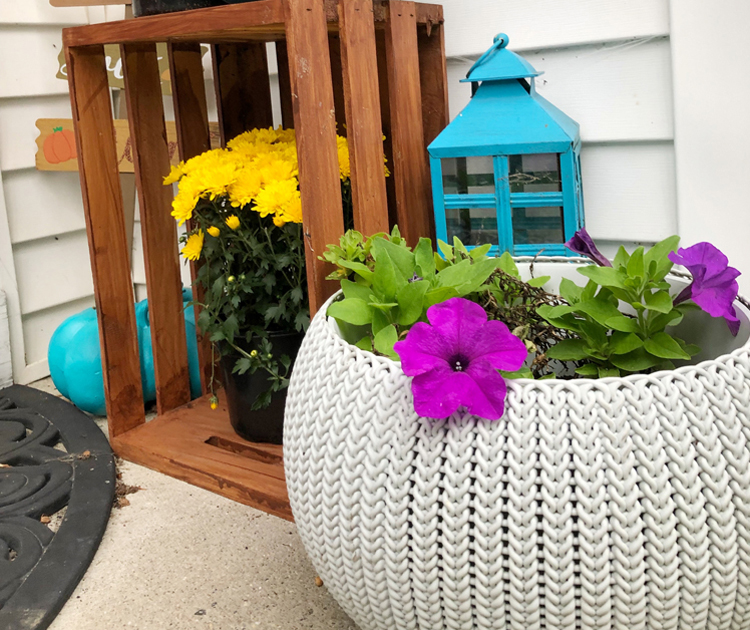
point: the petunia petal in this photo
(496, 345)
(582, 243)
(438, 393)
(488, 400)
(457, 320)
(424, 349)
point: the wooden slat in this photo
(102, 202)
(198, 445)
(385, 115)
(433, 81)
(202, 25)
(364, 125)
(285, 87)
(334, 46)
(243, 88)
(312, 98)
(151, 157)
(193, 138)
(410, 169)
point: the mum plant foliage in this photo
(243, 209)
(460, 321)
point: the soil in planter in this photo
(260, 425)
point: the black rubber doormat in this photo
(57, 484)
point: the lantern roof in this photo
(503, 118)
(499, 64)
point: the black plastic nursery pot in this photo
(154, 7)
(241, 390)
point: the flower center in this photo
(458, 363)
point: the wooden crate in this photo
(377, 67)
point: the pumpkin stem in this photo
(56, 129)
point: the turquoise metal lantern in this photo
(506, 171)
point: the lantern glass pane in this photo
(537, 172)
(468, 176)
(538, 225)
(474, 226)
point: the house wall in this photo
(613, 66)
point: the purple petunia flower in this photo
(714, 286)
(582, 243)
(455, 361)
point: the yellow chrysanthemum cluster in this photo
(258, 167)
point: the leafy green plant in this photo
(387, 287)
(609, 342)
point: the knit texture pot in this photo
(610, 503)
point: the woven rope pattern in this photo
(618, 503)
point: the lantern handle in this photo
(500, 41)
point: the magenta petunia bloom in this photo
(582, 243)
(455, 361)
(714, 286)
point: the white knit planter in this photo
(612, 503)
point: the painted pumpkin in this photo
(60, 146)
(75, 360)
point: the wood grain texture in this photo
(314, 120)
(261, 19)
(433, 80)
(102, 202)
(198, 445)
(334, 46)
(243, 88)
(151, 156)
(363, 119)
(193, 138)
(410, 169)
(385, 116)
(285, 86)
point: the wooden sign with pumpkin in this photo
(56, 144)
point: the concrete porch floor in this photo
(181, 557)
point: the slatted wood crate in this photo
(377, 67)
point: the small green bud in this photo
(254, 353)
(269, 355)
(231, 279)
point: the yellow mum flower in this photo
(291, 211)
(187, 197)
(194, 246)
(175, 173)
(245, 187)
(277, 170)
(216, 179)
(345, 168)
(214, 231)
(275, 197)
(233, 222)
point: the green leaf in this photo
(622, 343)
(661, 321)
(621, 258)
(402, 258)
(568, 350)
(604, 372)
(635, 361)
(384, 341)
(508, 265)
(595, 335)
(659, 254)
(589, 291)
(539, 282)
(524, 372)
(446, 250)
(386, 307)
(664, 346)
(410, 300)
(691, 349)
(570, 291)
(351, 310)
(604, 276)
(635, 266)
(660, 301)
(379, 321)
(623, 324)
(439, 294)
(354, 290)
(364, 344)
(387, 280)
(358, 268)
(424, 258)
(600, 309)
(566, 322)
(480, 252)
(458, 246)
(588, 370)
